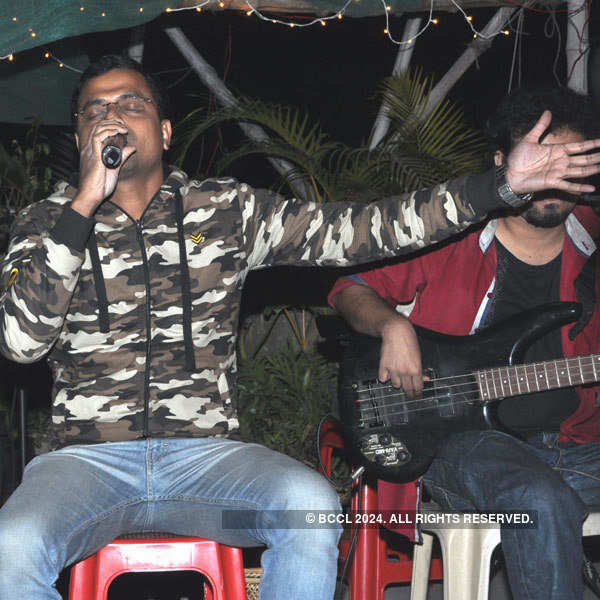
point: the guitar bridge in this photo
(385, 450)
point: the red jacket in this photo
(459, 280)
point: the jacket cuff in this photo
(482, 193)
(72, 229)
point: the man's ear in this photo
(165, 126)
(498, 157)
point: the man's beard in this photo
(548, 216)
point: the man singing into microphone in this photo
(130, 284)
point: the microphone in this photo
(112, 153)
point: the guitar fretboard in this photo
(537, 377)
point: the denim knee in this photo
(304, 489)
(23, 541)
(547, 494)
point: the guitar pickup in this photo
(383, 405)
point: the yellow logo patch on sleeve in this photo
(12, 277)
(197, 238)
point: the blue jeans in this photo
(492, 471)
(74, 501)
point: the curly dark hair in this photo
(517, 114)
(107, 63)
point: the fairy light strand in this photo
(252, 10)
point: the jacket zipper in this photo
(140, 237)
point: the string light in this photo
(197, 7)
(252, 10)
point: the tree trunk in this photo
(477, 47)
(212, 81)
(136, 46)
(382, 122)
(578, 45)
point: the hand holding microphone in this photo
(102, 153)
(112, 153)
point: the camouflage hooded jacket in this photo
(138, 318)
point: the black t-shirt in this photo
(519, 287)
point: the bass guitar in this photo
(397, 437)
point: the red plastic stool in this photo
(375, 564)
(221, 565)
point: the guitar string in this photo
(415, 410)
(591, 358)
(448, 397)
(430, 400)
(472, 380)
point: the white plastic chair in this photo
(466, 556)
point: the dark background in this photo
(333, 73)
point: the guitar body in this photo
(397, 437)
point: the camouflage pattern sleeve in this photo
(39, 273)
(280, 231)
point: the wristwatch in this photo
(506, 192)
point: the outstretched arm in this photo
(280, 231)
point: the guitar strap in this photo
(585, 289)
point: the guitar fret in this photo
(500, 385)
(568, 372)
(507, 380)
(481, 380)
(546, 375)
(594, 359)
(518, 379)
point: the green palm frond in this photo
(419, 151)
(306, 169)
(442, 135)
(285, 123)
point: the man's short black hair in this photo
(114, 61)
(519, 112)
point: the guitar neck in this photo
(504, 382)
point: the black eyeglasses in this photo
(127, 105)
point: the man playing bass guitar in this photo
(544, 253)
